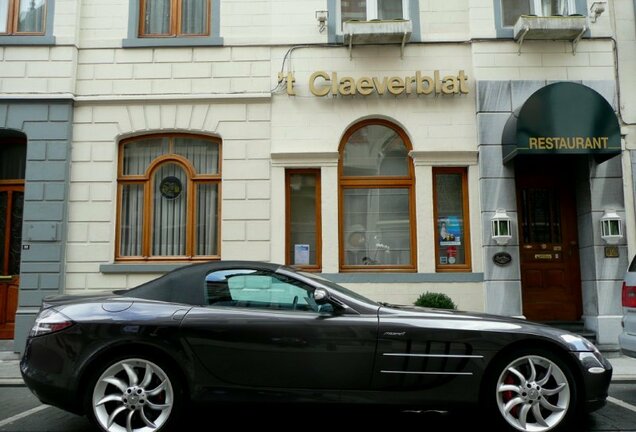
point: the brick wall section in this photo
(543, 60)
(47, 70)
(48, 130)
(168, 71)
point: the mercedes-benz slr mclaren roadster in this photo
(255, 332)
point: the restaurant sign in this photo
(322, 83)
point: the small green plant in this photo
(435, 300)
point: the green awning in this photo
(563, 118)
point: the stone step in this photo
(9, 355)
(576, 327)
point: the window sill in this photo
(27, 40)
(171, 42)
(402, 277)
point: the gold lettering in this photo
(596, 142)
(421, 89)
(450, 85)
(364, 86)
(334, 83)
(580, 142)
(318, 91)
(380, 86)
(463, 85)
(408, 84)
(396, 85)
(532, 143)
(347, 86)
(569, 142)
(541, 143)
(438, 82)
(604, 140)
(549, 145)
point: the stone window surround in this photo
(46, 39)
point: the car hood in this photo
(486, 322)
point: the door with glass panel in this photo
(549, 251)
(12, 164)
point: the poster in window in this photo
(301, 254)
(449, 231)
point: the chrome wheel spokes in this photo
(533, 394)
(133, 395)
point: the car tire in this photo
(531, 390)
(132, 393)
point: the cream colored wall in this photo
(307, 129)
(444, 20)
(307, 123)
(543, 60)
(467, 296)
(244, 127)
(29, 71)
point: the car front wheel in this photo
(534, 391)
(133, 394)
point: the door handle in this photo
(6, 278)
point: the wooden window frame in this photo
(467, 266)
(12, 20)
(175, 21)
(376, 182)
(316, 173)
(146, 180)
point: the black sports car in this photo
(256, 332)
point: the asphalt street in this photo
(20, 411)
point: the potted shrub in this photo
(435, 300)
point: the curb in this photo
(12, 382)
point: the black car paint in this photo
(228, 354)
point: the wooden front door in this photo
(549, 250)
(11, 205)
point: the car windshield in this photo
(354, 295)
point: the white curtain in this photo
(170, 213)
(157, 16)
(194, 17)
(130, 228)
(203, 154)
(207, 211)
(31, 18)
(139, 154)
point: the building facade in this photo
(139, 136)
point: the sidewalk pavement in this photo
(624, 369)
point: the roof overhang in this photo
(566, 119)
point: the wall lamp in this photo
(501, 227)
(321, 17)
(597, 8)
(611, 227)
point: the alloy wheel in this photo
(533, 394)
(133, 395)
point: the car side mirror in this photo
(321, 296)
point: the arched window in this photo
(377, 222)
(169, 197)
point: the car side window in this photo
(254, 289)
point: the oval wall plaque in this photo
(502, 258)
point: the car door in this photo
(263, 329)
